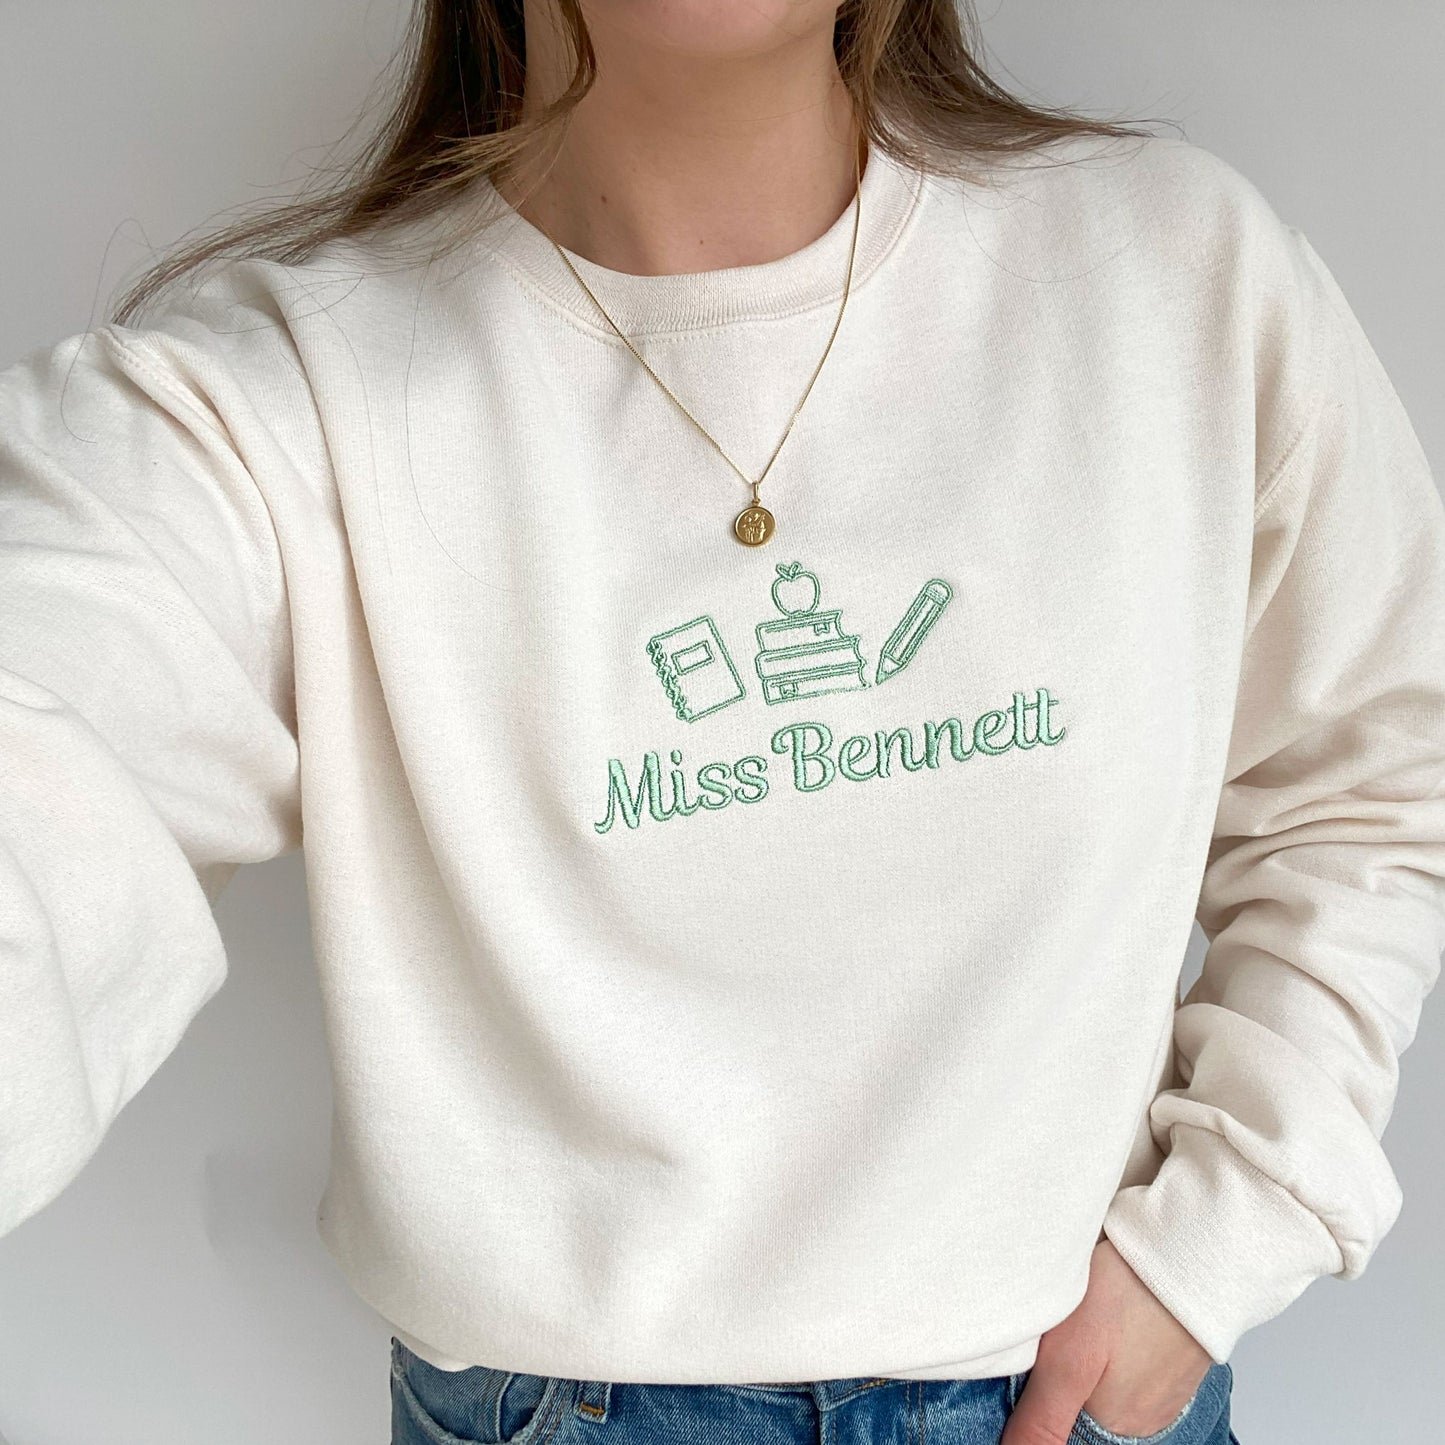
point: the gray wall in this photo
(176, 1291)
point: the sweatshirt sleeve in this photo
(147, 732)
(1323, 895)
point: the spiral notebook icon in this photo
(695, 668)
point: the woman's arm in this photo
(147, 733)
(1323, 897)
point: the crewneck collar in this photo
(810, 277)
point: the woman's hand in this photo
(1120, 1355)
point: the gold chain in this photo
(755, 523)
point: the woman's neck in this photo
(677, 161)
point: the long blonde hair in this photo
(455, 114)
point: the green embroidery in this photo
(695, 668)
(753, 781)
(1041, 731)
(618, 795)
(679, 788)
(848, 754)
(906, 755)
(715, 794)
(622, 800)
(984, 729)
(805, 652)
(793, 735)
(809, 744)
(955, 740)
(923, 612)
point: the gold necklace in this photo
(754, 524)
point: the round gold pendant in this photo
(753, 525)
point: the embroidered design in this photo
(923, 612)
(805, 652)
(816, 764)
(695, 668)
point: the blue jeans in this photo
(483, 1406)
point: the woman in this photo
(755, 809)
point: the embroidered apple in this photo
(794, 579)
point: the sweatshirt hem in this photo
(1012, 1361)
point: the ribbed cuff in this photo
(1218, 1242)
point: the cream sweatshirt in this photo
(752, 963)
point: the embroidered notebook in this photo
(695, 668)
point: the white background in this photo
(177, 1292)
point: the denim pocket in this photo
(1195, 1424)
(1198, 1423)
(476, 1406)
